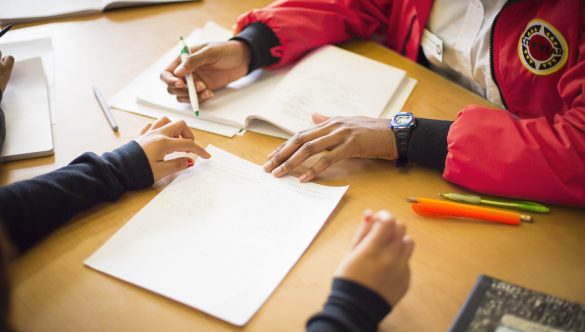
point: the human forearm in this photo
(33, 208)
(350, 307)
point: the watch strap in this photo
(402, 135)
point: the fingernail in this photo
(199, 86)
(180, 70)
(368, 219)
(180, 84)
(303, 178)
(277, 171)
(190, 163)
(267, 165)
(207, 94)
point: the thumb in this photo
(318, 118)
(200, 58)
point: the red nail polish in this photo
(190, 163)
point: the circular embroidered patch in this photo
(542, 48)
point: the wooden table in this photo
(53, 291)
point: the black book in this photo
(496, 305)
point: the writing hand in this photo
(345, 137)
(213, 66)
(163, 137)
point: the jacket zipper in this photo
(491, 52)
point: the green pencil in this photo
(518, 205)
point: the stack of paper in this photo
(220, 238)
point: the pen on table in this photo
(185, 52)
(429, 207)
(519, 205)
(5, 30)
(105, 108)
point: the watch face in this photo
(403, 120)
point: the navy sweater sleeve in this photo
(31, 209)
(350, 307)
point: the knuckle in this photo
(297, 139)
(287, 165)
(307, 148)
(326, 161)
(277, 158)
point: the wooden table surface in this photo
(53, 291)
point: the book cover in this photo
(496, 305)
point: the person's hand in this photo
(163, 137)
(213, 65)
(346, 137)
(378, 258)
(6, 65)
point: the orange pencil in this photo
(436, 208)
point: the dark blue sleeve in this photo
(31, 209)
(350, 307)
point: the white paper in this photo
(31, 48)
(26, 109)
(221, 237)
(333, 82)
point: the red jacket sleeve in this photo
(303, 25)
(494, 152)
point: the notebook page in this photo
(220, 238)
(26, 110)
(333, 82)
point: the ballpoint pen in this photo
(185, 52)
(105, 108)
(429, 207)
(518, 205)
(5, 30)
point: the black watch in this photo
(402, 124)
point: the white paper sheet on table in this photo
(26, 109)
(221, 237)
(31, 48)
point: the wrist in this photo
(244, 51)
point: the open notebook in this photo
(18, 11)
(330, 80)
(221, 237)
(26, 108)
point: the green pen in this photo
(519, 205)
(190, 83)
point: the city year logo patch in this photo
(542, 48)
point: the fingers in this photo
(183, 145)
(171, 166)
(171, 80)
(407, 248)
(364, 228)
(177, 129)
(199, 58)
(145, 128)
(325, 162)
(318, 118)
(292, 145)
(160, 122)
(304, 152)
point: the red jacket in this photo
(536, 148)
